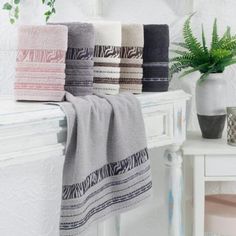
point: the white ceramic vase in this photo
(211, 105)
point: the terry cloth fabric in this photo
(131, 58)
(40, 63)
(107, 168)
(107, 57)
(79, 58)
(156, 58)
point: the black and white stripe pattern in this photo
(111, 169)
(123, 199)
(79, 54)
(106, 69)
(107, 51)
(132, 52)
(101, 192)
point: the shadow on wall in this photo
(181, 7)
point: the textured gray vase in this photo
(211, 105)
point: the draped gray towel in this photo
(107, 167)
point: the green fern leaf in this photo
(179, 44)
(190, 40)
(177, 67)
(204, 41)
(219, 54)
(178, 51)
(215, 37)
(185, 56)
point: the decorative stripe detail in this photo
(35, 69)
(106, 186)
(132, 52)
(106, 64)
(79, 53)
(130, 65)
(41, 55)
(155, 79)
(80, 211)
(40, 81)
(79, 83)
(106, 80)
(130, 81)
(147, 64)
(32, 86)
(104, 205)
(112, 169)
(107, 51)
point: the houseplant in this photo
(12, 6)
(193, 55)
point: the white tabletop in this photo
(196, 145)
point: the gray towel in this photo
(107, 168)
(79, 57)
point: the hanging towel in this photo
(79, 58)
(156, 58)
(40, 63)
(131, 58)
(107, 57)
(107, 168)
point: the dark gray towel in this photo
(79, 57)
(156, 58)
(107, 168)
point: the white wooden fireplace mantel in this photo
(29, 127)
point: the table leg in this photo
(173, 158)
(110, 227)
(198, 196)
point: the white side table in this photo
(205, 160)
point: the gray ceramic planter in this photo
(211, 105)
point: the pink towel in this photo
(45, 75)
(40, 63)
(48, 37)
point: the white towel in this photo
(107, 57)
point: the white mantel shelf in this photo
(34, 130)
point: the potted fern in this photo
(193, 55)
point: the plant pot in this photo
(211, 105)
